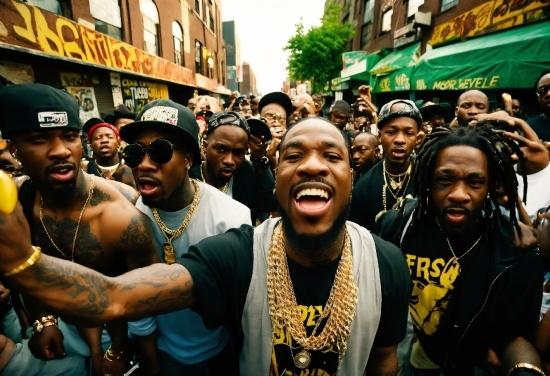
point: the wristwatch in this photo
(260, 162)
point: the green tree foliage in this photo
(317, 55)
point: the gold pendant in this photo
(395, 185)
(169, 254)
(302, 359)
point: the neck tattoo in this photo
(283, 308)
(90, 192)
(223, 188)
(169, 253)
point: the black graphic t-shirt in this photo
(367, 201)
(221, 267)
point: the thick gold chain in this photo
(90, 192)
(175, 233)
(284, 310)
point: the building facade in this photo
(233, 56)
(248, 86)
(108, 52)
(405, 43)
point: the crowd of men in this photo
(265, 238)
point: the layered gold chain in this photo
(169, 254)
(284, 310)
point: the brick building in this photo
(435, 49)
(248, 86)
(109, 52)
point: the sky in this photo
(264, 27)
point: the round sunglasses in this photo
(159, 152)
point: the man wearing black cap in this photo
(104, 140)
(433, 115)
(70, 213)
(276, 107)
(390, 180)
(123, 116)
(162, 146)
(225, 167)
(339, 114)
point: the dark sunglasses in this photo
(159, 151)
(543, 90)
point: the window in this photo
(446, 4)
(178, 43)
(106, 14)
(212, 27)
(211, 61)
(412, 7)
(386, 20)
(198, 57)
(367, 15)
(198, 7)
(204, 7)
(365, 35)
(150, 16)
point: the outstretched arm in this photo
(82, 295)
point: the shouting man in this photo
(307, 293)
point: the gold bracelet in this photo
(44, 322)
(526, 366)
(30, 262)
(110, 355)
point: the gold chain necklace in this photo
(107, 170)
(169, 253)
(284, 310)
(395, 195)
(396, 185)
(224, 188)
(455, 261)
(91, 190)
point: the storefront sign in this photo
(461, 84)
(352, 57)
(136, 94)
(399, 80)
(206, 83)
(489, 17)
(32, 28)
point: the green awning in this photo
(400, 80)
(360, 70)
(508, 59)
(398, 59)
(338, 84)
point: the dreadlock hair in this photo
(497, 148)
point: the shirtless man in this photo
(73, 215)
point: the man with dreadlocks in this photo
(474, 291)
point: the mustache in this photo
(457, 206)
(150, 177)
(309, 180)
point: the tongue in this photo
(148, 186)
(311, 203)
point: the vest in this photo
(255, 358)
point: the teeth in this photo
(312, 192)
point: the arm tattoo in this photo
(87, 297)
(137, 240)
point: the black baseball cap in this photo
(259, 128)
(430, 108)
(408, 109)
(123, 112)
(167, 115)
(32, 107)
(276, 97)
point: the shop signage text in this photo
(137, 94)
(30, 27)
(491, 16)
(461, 83)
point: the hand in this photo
(257, 147)
(15, 240)
(493, 362)
(116, 367)
(528, 240)
(48, 344)
(535, 153)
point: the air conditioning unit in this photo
(423, 19)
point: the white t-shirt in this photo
(182, 334)
(538, 191)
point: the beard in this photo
(311, 244)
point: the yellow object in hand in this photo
(8, 194)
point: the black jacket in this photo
(250, 188)
(510, 299)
